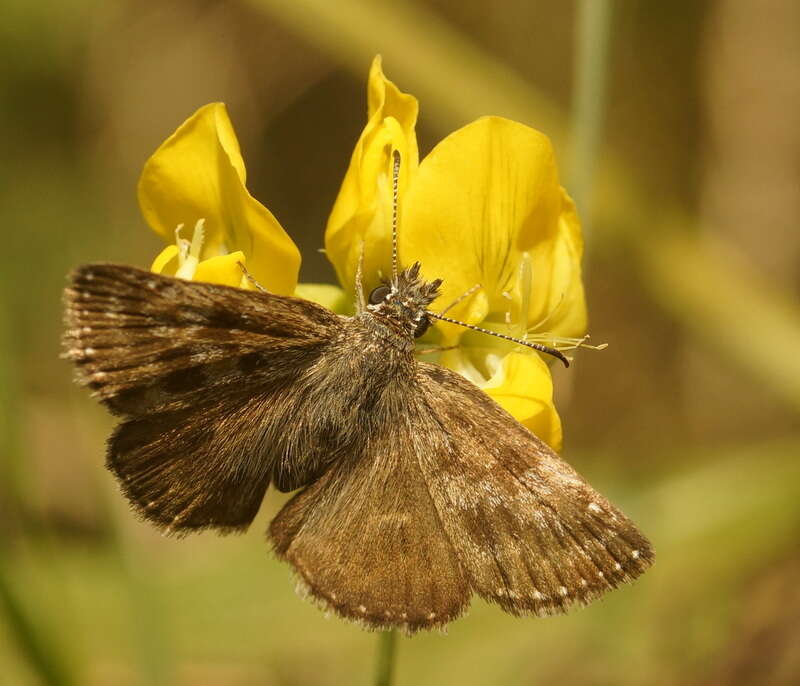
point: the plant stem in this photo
(387, 645)
(592, 31)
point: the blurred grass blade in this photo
(747, 502)
(38, 647)
(724, 304)
(592, 34)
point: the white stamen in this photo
(189, 258)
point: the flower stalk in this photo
(387, 649)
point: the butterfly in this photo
(416, 490)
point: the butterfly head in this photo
(405, 300)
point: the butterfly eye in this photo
(422, 327)
(379, 295)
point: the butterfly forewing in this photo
(146, 342)
(209, 380)
(530, 533)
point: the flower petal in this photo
(361, 214)
(327, 295)
(223, 269)
(198, 173)
(486, 196)
(523, 387)
(166, 261)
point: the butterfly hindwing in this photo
(191, 469)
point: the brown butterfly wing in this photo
(145, 342)
(207, 378)
(530, 533)
(450, 495)
(192, 469)
(366, 540)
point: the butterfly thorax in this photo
(398, 310)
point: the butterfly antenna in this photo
(395, 192)
(528, 344)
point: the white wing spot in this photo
(537, 596)
(635, 554)
(601, 575)
(617, 566)
(432, 615)
(563, 590)
(362, 609)
(89, 351)
(403, 615)
(333, 596)
(584, 583)
(99, 376)
(594, 507)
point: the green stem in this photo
(387, 646)
(592, 30)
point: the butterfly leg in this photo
(251, 278)
(434, 349)
(461, 298)
(361, 303)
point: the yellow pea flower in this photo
(192, 193)
(485, 212)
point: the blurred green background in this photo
(676, 125)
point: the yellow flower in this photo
(192, 193)
(485, 212)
